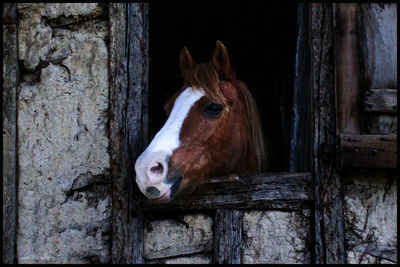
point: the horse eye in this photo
(213, 109)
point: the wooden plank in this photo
(10, 161)
(284, 191)
(346, 68)
(128, 65)
(378, 45)
(118, 142)
(380, 101)
(378, 59)
(228, 226)
(328, 228)
(368, 151)
(300, 142)
(179, 250)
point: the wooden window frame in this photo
(227, 196)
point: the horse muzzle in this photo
(154, 179)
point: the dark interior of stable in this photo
(261, 43)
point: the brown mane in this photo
(206, 76)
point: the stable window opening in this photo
(261, 43)
(268, 49)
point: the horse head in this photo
(213, 129)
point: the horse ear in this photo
(220, 59)
(185, 60)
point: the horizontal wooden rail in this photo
(369, 151)
(380, 101)
(283, 191)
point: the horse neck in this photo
(247, 162)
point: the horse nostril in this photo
(152, 192)
(157, 169)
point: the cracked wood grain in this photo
(378, 66)
(329, 232)
(128, 64)
(228, 236)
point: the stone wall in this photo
(277, 237)
(190, 235)
(370, 216)
(64, 192)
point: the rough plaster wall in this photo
(276, 237)
(169, 238)
(370, 214)
(64, 192)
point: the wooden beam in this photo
(328, 221)
(300, 139)
(346, 68)
(378, 42)
(380, 101)
(283, 191)
(368, 151)
(228, 226)
(128, 68)
(10, 161)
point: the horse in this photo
(213, 129)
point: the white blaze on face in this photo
(152, 165)
(167, 139)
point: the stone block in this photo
(167, 238)
(370, 216)
(276, 237)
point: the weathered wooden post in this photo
(329, 234)
(10, 172)
(128, 64)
